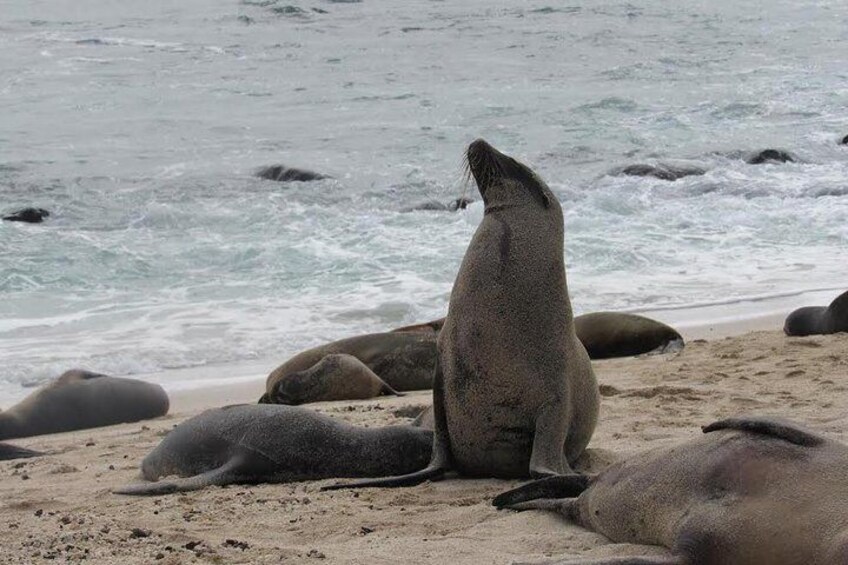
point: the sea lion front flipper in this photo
(8, 452)
(773, 427)
(561, 486)
(223, 475)
(547, 458)
(441, 458)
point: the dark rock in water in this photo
(14, 452)
(29, 215)
(844, 140)
(282, 173)
(661, 171)
(770, 156)
(458, 204)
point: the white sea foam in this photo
(140, 132)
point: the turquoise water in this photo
(140, 126)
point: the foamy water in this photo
(139, 127)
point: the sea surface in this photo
(140, 126)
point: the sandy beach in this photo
(60, 506)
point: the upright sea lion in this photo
(662, 171)
(751, 491)
(282, 173)
(337, 376)
(276, 444)
(812, 320)
(770, 156)
(79, 400)
(514, 394)
(28, 215)
(617, 334)
(403, 361)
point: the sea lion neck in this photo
(501, 180)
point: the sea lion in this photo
(402, 360)
(281, 173)
(8, 451)
(276, 444)
(844, 140)
(79, 400)
(770, 156)
(751, 491)
(616, 334)
(434, 205)
(337, 376)
(812, 320)
(434, 326)
(28, 215)
(514, 394)
(604, 334)
(662, 171)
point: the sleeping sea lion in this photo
(752, 491)
(812, 320)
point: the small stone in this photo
(39, 512)
(315, 554)
(139, 533)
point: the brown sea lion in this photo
(79, 400)
(337, 376)
(605, 334)
(514, 394)
(276, 444)
(402, 361)
(815, 320)
(752, 491)
(617, 334)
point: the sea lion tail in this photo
(773, 427)
(431, 473)
(549, 488)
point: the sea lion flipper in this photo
(770, 427)
(8, 452)
(562, 486)
(440, 461)
(547, 458)
(219, 476)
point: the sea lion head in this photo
(296, 388)
(502, 180)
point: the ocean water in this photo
(140, 125)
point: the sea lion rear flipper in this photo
(222, 475)
(8, 452)
(387, 390)
(648, 560)
(441, 458)
(773, 427)
(562, 486)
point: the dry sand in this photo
(60, 506)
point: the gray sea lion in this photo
(8, 452)
(79, 400)
(337, 376)
(617, 334)
(813, 320)
(660, 171)
(752, 491)
(282, 173)
(402, 360)
(514, 394)
(770, 156)
(28, 215)
(275, 444)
